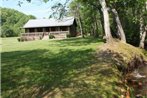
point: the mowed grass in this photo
(55, 69)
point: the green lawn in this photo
(55, 69)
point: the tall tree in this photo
(143, 26)
(141, 45)
(75, 10)
(119, 26)
(106, 21)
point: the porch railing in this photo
(44, 33)
(32, 34)
(58, 32)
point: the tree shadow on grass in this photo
(68, 73)
(36, 73)
(78, 41)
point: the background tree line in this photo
(122, 19)
(12, 21)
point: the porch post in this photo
(49, 29)
(44, 31)
(68, 30)
(59, 29)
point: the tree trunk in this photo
(119, 26)
(108, 35)
(80, 20)
(141, 45)
(96, 27)
(81, 28)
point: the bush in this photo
(21, 39)
(18, 39)
(40, 37)
(68, 35)
(51, 36)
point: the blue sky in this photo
(36, 7)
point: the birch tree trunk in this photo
(108, 35)
(119, 26)
(141, 45)
(81, 28)
(80, 20)
(143, 29)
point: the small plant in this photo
(68, 35)
(51, 36)
(19, 39)
(40, 37)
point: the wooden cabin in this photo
(45, 27)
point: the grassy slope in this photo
(58, 69)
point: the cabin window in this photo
(39, 30)
(31, 30)
(53, 28)
(64, 28)
(47, 29)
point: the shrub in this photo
(68, 35)
(22, 39)
(40, 37)
(51, 36)
(19, 39)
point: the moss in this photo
(127, 51)
(123, 57)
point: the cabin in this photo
(42, 28)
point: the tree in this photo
(143, 26)
(106, 21)
(12, 22)
(75, 10)
(141, 45)
(119, 26)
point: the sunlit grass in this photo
(55, 69)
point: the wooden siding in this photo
(57, 30)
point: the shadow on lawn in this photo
(35, 73)
(78, 41)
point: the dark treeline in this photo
(12, 21)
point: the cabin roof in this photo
(68, 21)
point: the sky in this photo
(36, 7)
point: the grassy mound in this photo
(125, 56)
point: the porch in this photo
(43, 35)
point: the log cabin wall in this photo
(73, 31)
(59, 29)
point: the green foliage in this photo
(90, 17)
(51, 36)
(129, 13)
(68, 36)
(45, 1)
(12, 22)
